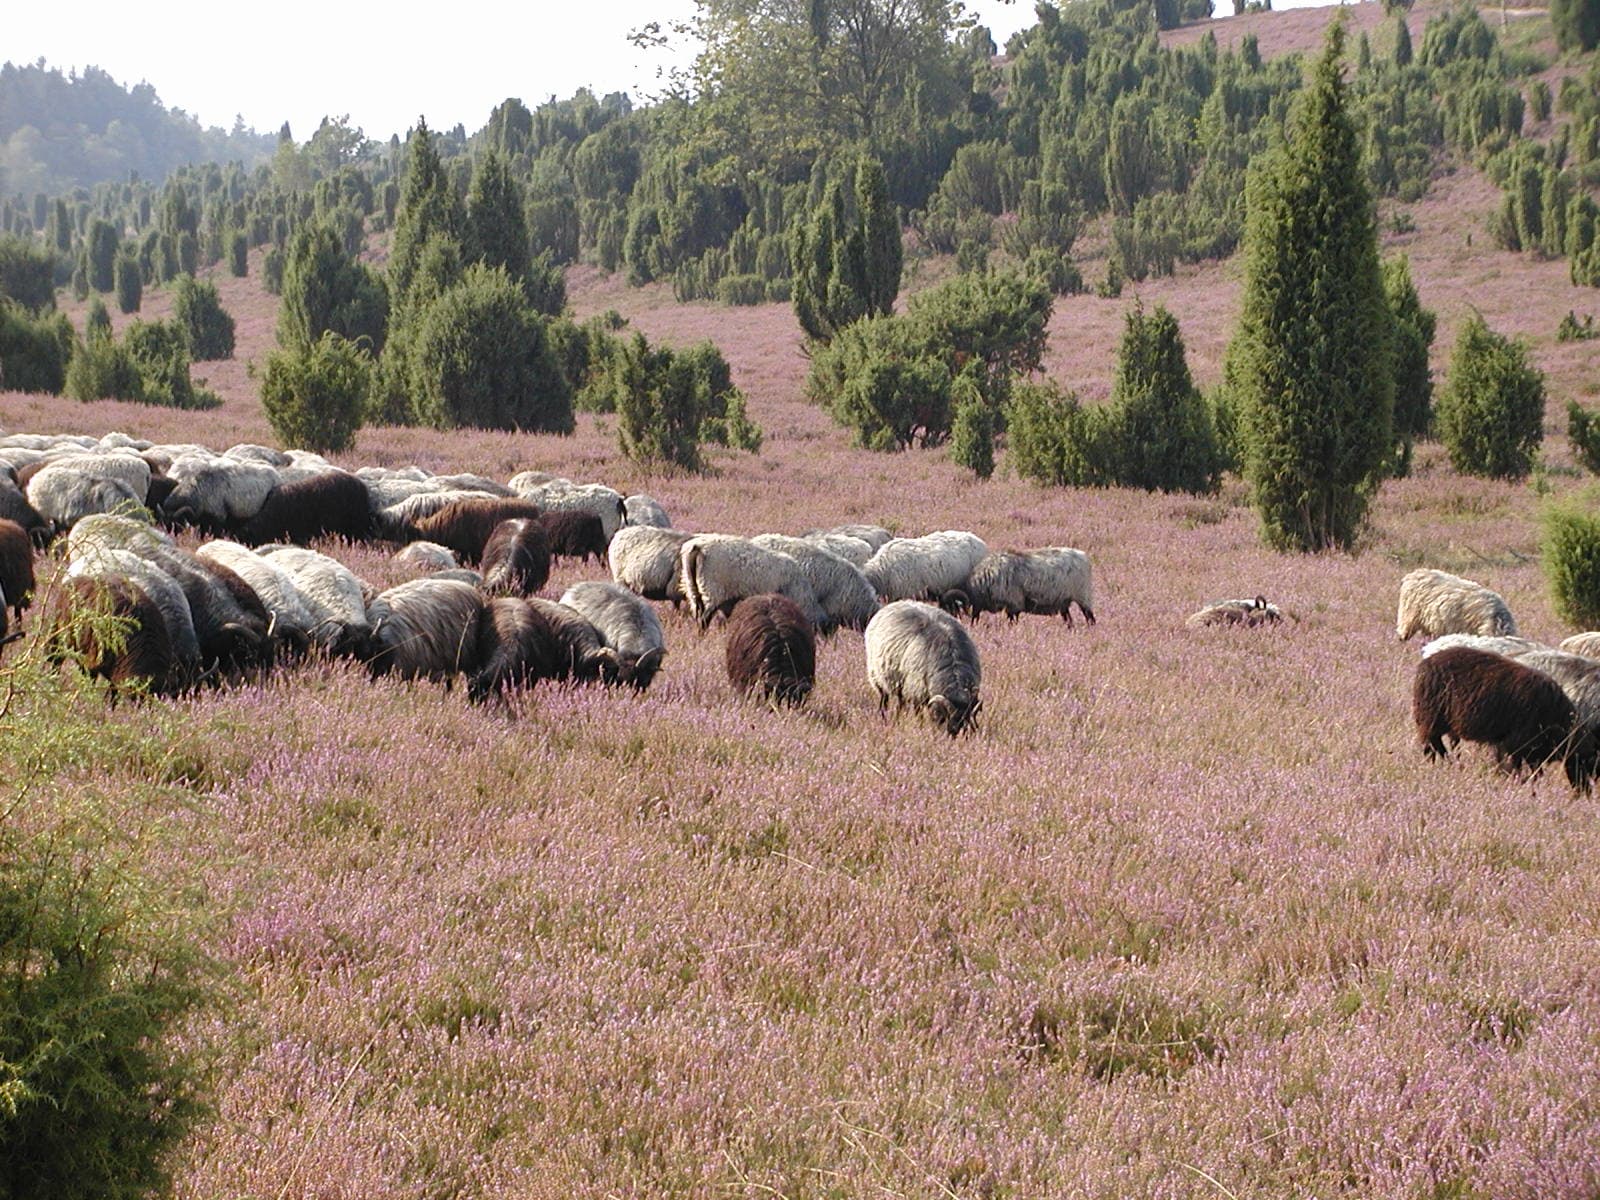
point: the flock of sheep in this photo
(253, 594)
(1532, 704)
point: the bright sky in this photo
(296, 60)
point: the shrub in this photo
(150, 365)
(972, 431)
(1164, 435)
(130, 284)
(27, 273)
(742, 289)
(102, 368)
(1583, 430)
(238, 253)
(669, 401)
(1491, 412)
(1539, 100)
(80, 281)
(103, 243)
(272, 271)
(207, 325)
(1052, 439)
(1570, 551)
(483, 358)
(324, 289)
(1573, 330)
(1414, 328)
(880, 379)
(1058, 272)
(34, 349)
(314, 395)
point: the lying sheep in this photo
(771, 649)
(427, 556)
(425, 629)
(1248, 613)
(1045, 582)
(516, 559)
(336, 598)
(326, 504)
(843, 593)
(920, 656)
(626, 624)
(465, 525)
(1434, 603)
(924, 568)
(717, 571)
(644, 559)
(1470, 695)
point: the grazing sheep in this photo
(852, 549)
(1433, 603)
(140, 650)
(163, 592)
(16, 566)
(217, 494)
(575, 534)
(14, 506)
(516, 559)
(329, 503)
(461, 575)
(1586, 645)
(516, 648)
(124, 466)
(584, 656)
(1506, 647)
(842, 591)
(771, 649)
(1474, 696)
(875, 536)
(397, 521)
(920, 656)
(465, 525)
(924, 568)
(562, 495)
(229, 618)
(644, 559)
(467, 482)
(1044, 582)
(1248, 613)
(63, 495)
(249, 452)
(292, 620)
(336, 598)
(645, 510)
(717, 571)
(427, 556)
(427, 628)
(115, 531)
(626, 624)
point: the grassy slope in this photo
(1189, 917)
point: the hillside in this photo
(1188, 916)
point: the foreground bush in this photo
(33, 350)
(314, 395)
(1570, 551)
(1491, 413)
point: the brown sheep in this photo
(327, 503)
(772, 649)
(1474, 696)
(465, 525)
(16, 566)
(516, 648)
(516, 558)
(144, 654)
(575, 534)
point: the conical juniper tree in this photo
(847, 264)
(1312, 359)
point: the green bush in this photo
(483, 358)
(130, 284)
(34, 349)
(238, 253)
(1573, 330)
(1491, 412)
(1164, 437)
(27, 273)
(1052, 439)
(742, 289)
(196, 307)
(272, 271)
(314, 396)
(103, 243)
(669, 401)
(1058, 272)
(1570, 552)
(1583, 430)
(150, 365)
(102, 368)
(972, 430)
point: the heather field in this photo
(1189, 916)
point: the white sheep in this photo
(852, 549)
(114, 531)
(1046, 582)
(292, 617)
(924, 568)
(644, 559)
(919, 656)
(842, 591)
(427, 628)
(427, 556)
(719, 570)
(1506, 647)
(562, 495)
(64, 495)
(1587, 645)
(646, 510)
(1434, 603)
(335, 596)
(218, 493)
(627, 626)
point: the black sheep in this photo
(516, 649)
(329, 503)
(465, 525)
(516, 558)
(1469, 695)
(16, 566)
(575, 534)
(142, 650)
(771, 649)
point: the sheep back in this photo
(516, 558)
(771, 649)
(1434, 603)
(921, 657)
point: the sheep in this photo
(230, 620)
(1248, 613)
(63, 495)
(852, 549)
(924, 568)
(516, 559)
(644, 559)
(292, 619)
(336, 598)
(516, 648)
(465, 525)
(248, 452)
(842, 591)
(875, 536)
(124, 466)
(329, 503)
(626, 624)
(1506, 647)
(1587, 645)
(1471, 695)
(771, 649)
(427, 628)
(574, 534)
(1434, 603)
(584, 656)
(717, 571)
(14, 506)
(139, 650)
(461, 575)
(163, 592)
(427, 556)
(919, 655)
(642, 510)
(16, 567)
(217, 494)
(398, 521)
(555, 494)
(114, 531)
(467, 482)
(1045, 582)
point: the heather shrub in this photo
(314, 396)
(130, 283)
(1491, 412)
(34, 349)
(1109, 1030)
(1569, 548)
(206, 324)
(98, 964)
